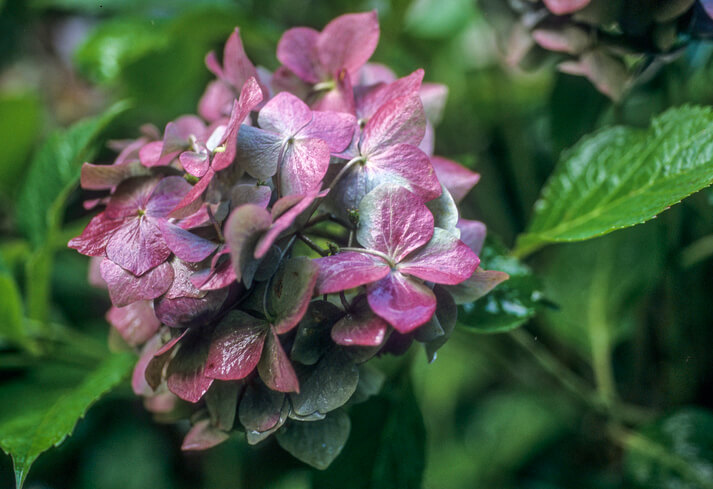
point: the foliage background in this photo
(499, 410)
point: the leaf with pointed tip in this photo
(260, 408)
(327, 385)
(291, 292)
(25, 434)
(316, 443)
(621, 176)
(222, 403)
(275, 368)
(11, 308)
(236, 346)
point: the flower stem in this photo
(312, 244)
(381, 255)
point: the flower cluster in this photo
(613, 43)
(261, 252)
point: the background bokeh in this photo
(496, 408)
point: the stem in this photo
(312, 244)
(343, 171)
(215, 224)
(381, 255)
(350, 242)
(345, 302)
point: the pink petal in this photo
(250, 97)
(237, 67)
(338, 99)
(275, 368)
(403, 303)
(93, 240)
(303, 166)
(334, 128)
(152, 154)
(259, 152)
(428, 142)
(478, 285)
(203, 436)
(284, 80)
(166, 195)
(125, 288)
(360, 326)
(283, 220)
(136, 323)
(401, 120)
(457, 179)
(236, 346)
(567, 39)
(297, 50)
(348, 42)
(196, 164)
(444, 260)
(243, 228)
(472, 233)
(130, 196)
(562, 7)
(190, 311)
(370, 100)
(184, 244)
(137, 246)
(285, 114)
(216, 101)
(434, 96)
(394, 221)
(189, 204)
(373, 73)
(138, 377)
(406, 165)
(105, 177)
(347, 270)
(250, 193)
(185, 374)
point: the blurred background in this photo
(500, 411)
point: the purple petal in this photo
(401, 120)
(184, 244)
(297, 50)
(196, 164)
(250, 193)
(93, 240)
(242, 230)
(403, 303)
(105, 177)
(138, 245)
(428, 143)
(472, 233)
(275, 368)
(250, 97)
(304, 164)
(189, 204)
(125, 288)
(444, 260)
(237, 67)
(185, 374)
(360, 326)
(202, 436)
(373, 73)
(338, 99)
(285, 115)
(434, 96)
(284, 80)
(562, 7)
(370, 100)
(394, 221)
(190, 311)
(348, 42)
(166, 196)
(283, 222)
(182, 285)
(457, 179)
(130, 196)
(152, 154)
(236, 346)
(348, 270)
(478, 285)
(334, 128)
(216, 101)
(259, 152)
(136, 323)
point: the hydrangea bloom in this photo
(260, 253)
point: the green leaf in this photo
(511, 304)
(316, 443)
(11, 326)
(676, 451)
(27, 433)
(53, 173)
(621, 176)
(21, 117)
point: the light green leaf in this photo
(54, 172)
(21, 117)
(11, 327)
(622, 176)
(26, 433)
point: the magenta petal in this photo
(189, 204)
(237, 67)
(190, 311)
(444, 260)
(297, 50)
(137, 246)
(334, 128)
(93, 240)
(403, 303)
(285, 219)
(360, 326)
(338, 99)
(472, 233)
(186, 245)
(185, 374)
(370, 100)
(562, 7)
(194, 163)
(150, 154)
(275, 368)
(406, 165)
(348, 41)
(125, 288)
(304, 164)
(138, 377)
(285, 114)
(401, 120)
(129, 197)
(394, 221)
(258, 152)
(373, 73)
(203, 436)
(216, 101)
(456, 178)
(236, 346)
(166, 195)
(348, 270)
(136, 323)
(242, 230)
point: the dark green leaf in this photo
(25, 434)
(327, 385)
(623, 176)
(21, 117)
(316, 443)
(511, 304)
(11, 327)
(676, 451)
(54, 172)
